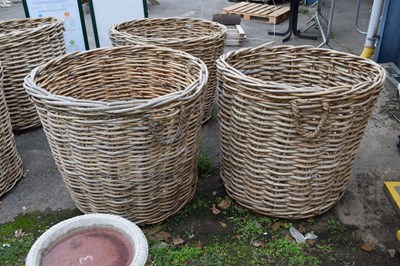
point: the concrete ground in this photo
(364, 204)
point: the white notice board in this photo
(70, 11)
(105, 13)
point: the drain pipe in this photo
(376, 13)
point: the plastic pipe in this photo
(376, 13)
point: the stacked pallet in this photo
(258, 12)
(236, 35)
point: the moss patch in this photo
(17, 237)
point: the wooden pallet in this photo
(258, 12)
(236, 35)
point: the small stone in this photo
(392, 252)
(24, 208)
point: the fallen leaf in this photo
(177, 241)
(258, 243)
(215, 210)
(238, 207)
(200, 245)
(154, 230)
(289, 239)
(224, 204)
(222, 224)
(392, 252)
(276, 226)
(367, 246)
(19, 233)
(310, 220)
(310, 242)
(163, 235)
(238, 237)
(302, 229)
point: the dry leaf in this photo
(310, 242)
(392, 252)
(310, 220)
(302, 229)
(154, 230)
(289, 238)
(238, 237)
(222, 224)
(224, 204)
(367, 246)
(215, 210)
(276, 226)
(258, 243)
(19, 233)
(200, 245)
(163, 235)
(177, 241)
(238, 207)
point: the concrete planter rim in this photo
(82, 222)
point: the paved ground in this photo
(364, 205)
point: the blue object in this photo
(388, 47)
(309, 2)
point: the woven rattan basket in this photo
(202, 38)
(291, 121)
(124, 125)
(10, 162)
(24, 45)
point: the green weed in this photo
(205, 166)
(167, 255)
(336, 226)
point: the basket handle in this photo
(175, 136)
(297, 119)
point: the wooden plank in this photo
(280, 11)
(229, 8)
(246, 8)
(257, 9)
(240, 29)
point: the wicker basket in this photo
(124, 126)
(291, 121)
(201, 38)
(10, 162)
(24, 45)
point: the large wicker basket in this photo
(10, 162)
(202, 38)
(24, 45)
(124, 125)
(291, 121)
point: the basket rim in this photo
(47, 22)
(223, 30)
(123, 106)
(286, 88)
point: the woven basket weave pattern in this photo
(10, 162)
(24, 45)
(124, 125)
(201, 38)
(291, 120)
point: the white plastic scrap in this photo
(299, 236)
